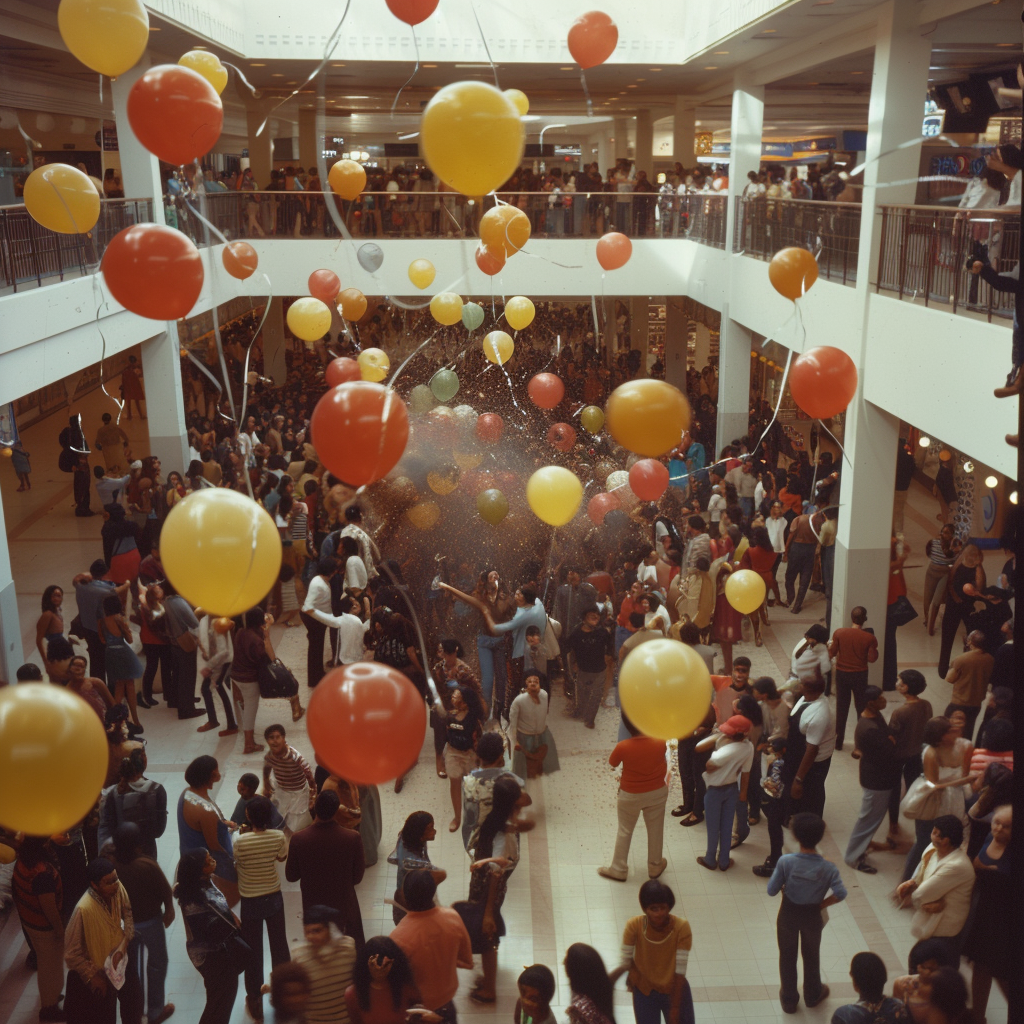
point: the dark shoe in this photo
(53, 1015)
(399, 783)
(255, 1007)
(194, 713)
(863, 865)
(692, 820)
(144, 702)
(765, 870)
(822, 996)
(795, 609)
(704, 864)
(133, 730)
(164, 1014)
(789, 1007)
(681, 811)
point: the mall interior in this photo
(656, 159)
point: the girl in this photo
(217, 649)
(591, 986)
(760, 557)
(52, 644)
(534, 750)
(463, 724)
(411, 855)
(536, 990)
(123, 667)
(727, 626)
(454, 672)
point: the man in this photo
(368, 551)
(744, 479)
(326, 859)
(907, 724)
(592, 647)
(328, 958)
(905, 467)
(799, 556)
(181, 626)
(111, 440)
(810, 743)
(879, 775)
(436, 942)
(728, 689)
(74, 459)
(567, 609)
(211, 469)
(698, 543)
(90, 589)
(853, 649)
(316, 616)
(970, 674)
(109, 488)
(478, 785)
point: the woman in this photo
(453, 671)
(210, 930)
(947, 999)
(534, 750)
(93, 691)
(463, 725)
(968, 571)
(915, 988)
(592, 1001)
(727, 626)
(53, 646)
(122, 539)
(898, 554)
(491, 649)
(760, 557)
(202, 826)
(217, 650)
(123, 667)
(411, 855)
(382, 989)
(941, 556)
(175, 489)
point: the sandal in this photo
(297, 713)
(254, 749)
(228, 732)
(691, 820)
(477, 997)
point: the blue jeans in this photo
(151, 935)
(491, 651)
(719, 812)
(650, 1009)
(747, 504)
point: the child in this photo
(536, 659)
(248, 786)
(536, 990)
(800, 917)
(19, 459)
(534, 751)
(772, 763)
(296, 788)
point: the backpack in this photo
(142, 806)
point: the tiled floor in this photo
(555, 896)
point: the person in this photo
(478, 786)
(382, 989)
(22, 466)
(328, 958)
(643, 788)
(942, 552)
(316, 607)
(454, 672)
(810, 744)
(210, 930)
(534, 750)
(914, 989)
(252, 646)
(90, 590)
(536, 987)
(591, 645)
(799, 558)
(591, 986)
(969, 674)
(217, 650)
(410, 854)
(809, 885)
(868, 974)
(463, 725)
(201, 824)
(181, 627)
(74, 459)
(811, 655)
(290, 987)
(907, 724)
(51, 643)
(905, 467)
(131, 387)
(436, 943)
(726, 778)
(491, 649)
(368, 550)
(967, 572)
(947, 998)
(327, 861)
(122, 664)
(294, 788)
(136, 800)
(111, 440)
(248, 787)
(854, 648)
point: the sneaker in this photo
(766, 870)
(53, 1015)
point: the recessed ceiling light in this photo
(630, 86)
(277, 74)
(654, 69)
(856, 72)
(720, 53)
(338, 65)
(566, 69)
(711, 67)
(155, 28)
(430, 65)
(641, 79)
(997, 44)
(257, 65)
(355, 97)
(768, 31)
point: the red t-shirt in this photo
(643, 764)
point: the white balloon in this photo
(370, 256)
(617, 479)
(465, 416)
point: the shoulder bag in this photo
(921, 802)
(276, 680)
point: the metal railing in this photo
(830, 230)
(924, 253)
(30, 253)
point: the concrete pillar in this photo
(308, 142)
(677, 327)
(645, 143)
(744, 146)
(733, 381)
(702, 347)
(261, 158)
(275, 344)
(684, 133)
(621, 139)
(12, 655)
(639, 328)
(165, 403)
(140, 170)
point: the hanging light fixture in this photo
(968, 466)
(991, 481)
(924, 441)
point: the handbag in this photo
(472, 915)
(921, 802)
(901, 611)
(187, 642)
(238, 952)
(276, 680)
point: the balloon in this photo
(554, 495)
(600, 505)
(175, 113)
(444, 385)
(154, 271)
(519, 312)
(446, 308)
(472, 315)
(239, 259)
(341, 370)
(7, 854)
(208, 65)
(945, 455)
(222, 626)
(648, 479)
(370, 256)
(592, 419)
(592, 39)
(108, 36)
(617, 478)
(647, 416)
(467, 460)
(561, 436)
(324, 285)
(353, 304)
(444, 480)
(665, 689)
(308, 319)
(360, 430)
(504, 229)
(465, 417)
(421, 399)
(489, 427)
(546, 390)
(745, 591)
(823, 381)
(792, 271)
(492, 506)
(472, 137)
(519, 101)
(347, 179)
(424, 515)
(421, 273)
(614, 250)
(366, 722)
(498, 347)
(61, 198)
(412, 12)
(489, 260)
(442, 424)
(53, 758)
(373, 364)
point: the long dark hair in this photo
(759, 539)
(414, 829)
(503, 801)
(399, 977)
(588, 977)
(949, 994)
(48, 596)
(190, 878)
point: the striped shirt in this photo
(256, 856)
(938, 557)
(300, 522)
(330, 972)
(290, 769)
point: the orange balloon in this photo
(600, 505)
(505, 228)
(222, 626)
(823, 381)
(614, 250)
(562, 436)
(489, 260)
(353, 304)
(324, 285)
(175, 113)
(648, 479)
(412, 12)
(347, 179)
(546, 390)
(489, 427)
(239, 259)
(592, 39)
(792, 271)
(341, 370)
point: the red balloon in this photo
(366, 722)
(648, 479)
(614, 250)
(324, 285)
(489, 260)
(154, 271)
(239, 259)
(562, 436)
(342, 370)
(443, 426)
(823, 381)
(546, 390)
(600, 505)
(592, 38)
(360, 430)
(489, 427)
(175, 113)
(412, 12)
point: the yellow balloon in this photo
(208, 65)
(592, 418)
(373, 364)
(444, 480)
(468, 460)
(745, 591)
(62, 198)
(519, 312)
(220, 550)
(472, 137)
(97, 184)
(665, 689)
(7, 854)
(554, 494)
(347, 179)
(647, 416)
(309, 319)
(498, 347)
(424, 515)
(53, 758)
(519, 101)
(505, 227)
(446, 308)
(421, 273)
(108, 36)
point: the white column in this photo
(140, 170)
(684, 133)
(12, 655)
(275, 343)
(702, 347)
(621, 138)
(733, 381)
(744, 145)
(165, 403)
(645, 143)
(260, 146)
(677, 327)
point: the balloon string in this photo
(431, 685)
(248, 351)
(245, 81)
(444, 206)
(419, 348)
(483, 39)
(597, 328)
(838, 445)
(415, 70)
(330, 200)
(778, 405)
(423, 305)
(103, 385)
(586, 92)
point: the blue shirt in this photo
(524, 618)
(807, 877)
(89, 597)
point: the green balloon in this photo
(492, 506)
(444, 385)
(472, 315)
(592, 418)
(421, 399)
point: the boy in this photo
(248, 787)
(807, 877)
(536, 659)
(296, 789)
